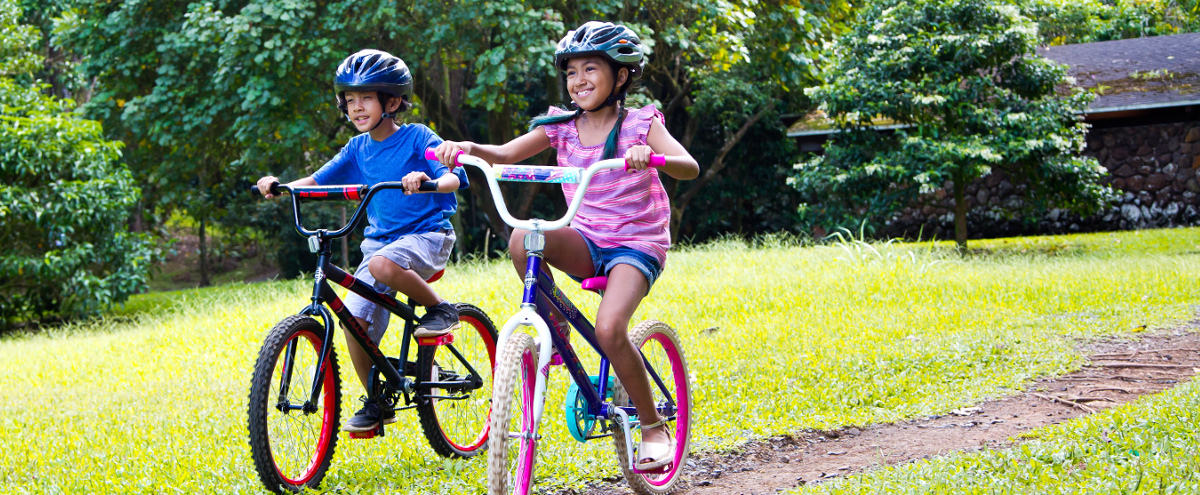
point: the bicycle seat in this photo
(595, 284)
(436, 276)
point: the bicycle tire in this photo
(292, 449)
(457, 427)
(660, 344)
(510, 463)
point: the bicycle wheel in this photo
(660, 344)
(511, 445)
(292, 447)
(455, 420)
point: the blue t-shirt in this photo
(391, 213)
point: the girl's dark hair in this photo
(610, 145)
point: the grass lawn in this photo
(779, 337)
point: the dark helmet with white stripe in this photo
(617, 43)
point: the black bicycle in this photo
(295, 393)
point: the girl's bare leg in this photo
(626, 288)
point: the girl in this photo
(622, 229)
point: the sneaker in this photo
(438, 320)
(367, 418)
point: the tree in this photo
(961, 81)
(64, 199)
(1062, 22)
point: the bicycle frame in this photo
(540, 292)
(320, 242)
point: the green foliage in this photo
(960, 80)
(64, 200)
(1062, 22)
(15, 42)
(206, 94)
(866, 334)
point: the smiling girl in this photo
(622, 229)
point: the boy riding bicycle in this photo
(409, 236)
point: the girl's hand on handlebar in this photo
(637, 158)
(412, 181)
(264, 186)
(448, 152)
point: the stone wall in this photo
(1152, 167)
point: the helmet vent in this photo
(606, 36)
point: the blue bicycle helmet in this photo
(374, 70)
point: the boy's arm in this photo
(514, 151)
(264, 184)
(447, 183)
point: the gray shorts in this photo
(425, 254)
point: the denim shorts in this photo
(604, 259)
(426, 254)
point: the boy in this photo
(409, 236)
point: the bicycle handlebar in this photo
(327, 193)
(531, 173)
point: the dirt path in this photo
(1120, 371)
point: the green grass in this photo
(779, 338)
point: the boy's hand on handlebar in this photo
(264, 186)
(412, 181)
(637, 158)
(448, 152)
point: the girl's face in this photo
(364, 109)
(590, 80)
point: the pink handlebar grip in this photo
(430, 155)
(656, 160)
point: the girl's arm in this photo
(680, 163)
(513, 151)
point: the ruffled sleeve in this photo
(555, 131)
(641, 119)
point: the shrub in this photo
(64, 199)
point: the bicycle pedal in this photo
(439, 340)
(363, 435)
(556, 359)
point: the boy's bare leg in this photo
(405, 281)
(626, 288)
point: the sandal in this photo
(654, 455)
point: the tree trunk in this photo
(203, 254)
(960, 212)
(680, 204)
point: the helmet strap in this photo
(384, 100)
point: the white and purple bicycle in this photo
(596, 406)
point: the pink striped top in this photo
(621, 209)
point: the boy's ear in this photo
(394, 104)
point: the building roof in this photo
(1129, 76)
(1134, 74)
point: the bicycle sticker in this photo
(555, 175)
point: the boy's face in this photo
(364, 109)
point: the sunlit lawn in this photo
(779, 338)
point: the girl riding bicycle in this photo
(622, 229)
